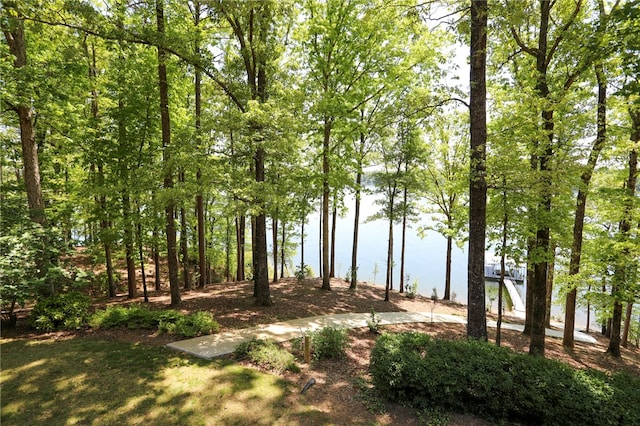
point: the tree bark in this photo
(623, 267)
(476, 316)
(14, 34)
(240, 238)
(184, 243)
(283, 249)
(581, 206)
(274, 237)
(326, 282)
(356, 224)
(404, 237)
(627, 325)
(132, 286)
(447, 274)
(172, 257)
(334, 218)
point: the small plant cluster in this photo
(374, 323)
(166, 321)
(302, 272)
(326, 343)
(329, 342)
(498, 383)
(267, 355)
(411, 289)
(66, 311)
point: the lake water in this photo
(424, 257)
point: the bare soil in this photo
(339, 383)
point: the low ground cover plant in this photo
(499, 384)
(266, 354)
(166, 321)
(329, 342)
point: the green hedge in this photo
(497, 383)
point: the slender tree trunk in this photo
(145, 291)
(550, 276)
(531, 245)
(447, 275)
(283, 250)
(326, 274)
(302, 266)
(404, 236)
(274, 237)
(505, 224)
(320, 257)
(240, 239)
(623, 269)
(156, 259)
(227, 263)
(627, 325)
(129, 250)
(356, 223)
(581, 207)
(334, 218)
(174, 283)
(476, 316)
(389, 280)
(184, 246)
(202, 244)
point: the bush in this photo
(166, 321)
(191, 325)
(267, 355)
(133, 316)
(497, 383)
(329, 342)
(68, 311)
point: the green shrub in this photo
(68, 311)
(329, 342)
(191, 325)
(133, 316)
(267, 355)
(166, 321)
(497, 383)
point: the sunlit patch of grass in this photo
(80, 381)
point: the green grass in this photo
(84, 381)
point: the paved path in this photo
(216, 345)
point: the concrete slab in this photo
(215, 345)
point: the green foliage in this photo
(166, 321)
(411, 289)
(133, 316)
(28, 257)
(196, 324)
(329, 342)
(374, 322)
(267, 355)
(68, 311)
(302, 273)
(497, 383)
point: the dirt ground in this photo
(338, 388)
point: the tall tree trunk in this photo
(581, 206)
(623, 269)
(240, 240)
(132, 286)
(14, 34)
(156, 259)
(174, 283)
(531, 245)
(550, 276)
(403, 244)
(261, 272)
(184, 246)
(356, 223)
(202, 245)
(227, 263)
(334, 218)
(274, 237)
(476, 316)
(326, 283)
(145, 291)
(627, 325)
(283, 250)
(447, 274)
(389, 280)
(543, 239)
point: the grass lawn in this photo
(86, 381)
